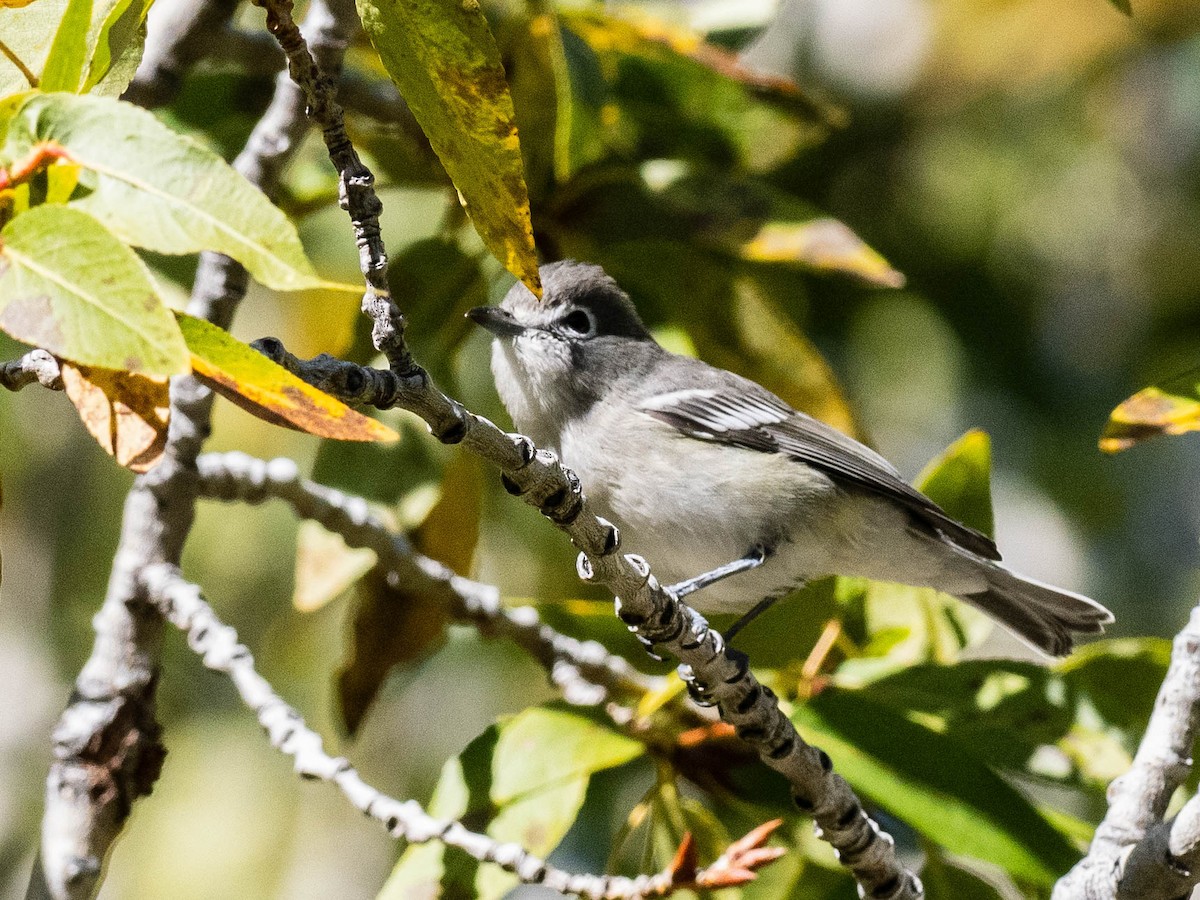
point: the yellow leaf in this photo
(1147, 413)
(267, 390)
(444, 60)
(127, 414)
(826, 245)
(325, 566)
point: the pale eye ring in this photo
(580, 321)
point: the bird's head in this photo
(554, 357)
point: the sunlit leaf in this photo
(635, 81)
(68, 53)
(1001, 710)
(69, 286)
(444, 60)
(269, 391)
(127, 414)
(959, 481)
(898, 625)
(120, 30)
(933, 784)
(325, 566)
(1150, 412)
(160, 190)
(823, 244)
(120, 72)
(27, 31)
(526, 778)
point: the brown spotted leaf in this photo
(442, 57)
(1170, 409)
(127, 414)
(269, 391)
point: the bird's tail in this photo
(1044, 616)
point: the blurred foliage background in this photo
(1032, 167)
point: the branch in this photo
(716, 677)
(181, 604)
(179, 33)
(36, 365)
(584, 671)
(1134, 854)
(107, 752)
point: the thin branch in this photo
(716, 677)
(356, 192)
(180, 603)
(1134, 854)
(584, 670)
(107, 752)
(35, 366)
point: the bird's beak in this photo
(497, 320)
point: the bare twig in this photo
(181, 604)
(716, 677)
(1134, 854)
(584, 671)
(36, 365)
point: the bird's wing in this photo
(745, 415)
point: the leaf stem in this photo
(16, 61)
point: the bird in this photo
(721, 485)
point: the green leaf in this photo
(1123, 6)
(644, 84)
(755, 222)
(959, 481)
(267, 390)
(161, 190)
(69, 286)
(121, 29)
(933, 784)
(444, 60)
(1002, 710)
(525, 779)
(27, 34)
(64, 65)
(1121, 677)
(1170, 408)
(898, 625)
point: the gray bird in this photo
(723, 486)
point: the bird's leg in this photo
(753, 613)
(751, 560)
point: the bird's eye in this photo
(580, 321)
